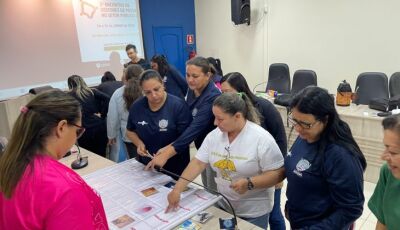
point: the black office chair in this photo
(394, 84)
(302, 79)
(371, 85)
(279, 78)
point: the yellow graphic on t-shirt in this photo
(225, 166)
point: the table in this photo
(97, 162)
(366, 128)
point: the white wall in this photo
(241, 48)
(338, 38)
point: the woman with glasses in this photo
(385, 201)
(95, 138)
(271, 121)
(324, 168)
(155, 121)
(246, 158)
(36, 190)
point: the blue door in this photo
(169, 41)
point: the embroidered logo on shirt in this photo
(194, 112)
(301, 166)
(289, 154)
(165, 79)
(163, 124)
(142, 123)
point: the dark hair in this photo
(233, 103)
(163, 66)
(132, 90)
(200, 62)
(108, 76)
(392, 123)
(133, 71)
(237, 81)
(78, 86)
(150, 74)
(31, 130)
(130, 46)
(215, 65)
(317, 102)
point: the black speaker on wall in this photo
(240, 11)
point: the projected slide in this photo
(106, 26)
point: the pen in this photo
(149, 155)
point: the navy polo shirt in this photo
(160, 128)
(203, 118)
(323, 192)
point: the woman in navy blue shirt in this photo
(324, 168)
(155, 121)
(174, 82)
(200, 97)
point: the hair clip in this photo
(23, 109)
(240, 94)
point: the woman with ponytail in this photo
(36, 190)
(245, 156)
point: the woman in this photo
(324, 168)
(161, 119)
(174, 82)
(120, 102)
(216, 71)
(37, 191)
(201, 94)
(245, 156)
(271, 121)
(95, 137)
(385, 201)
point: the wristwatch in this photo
(250, 185)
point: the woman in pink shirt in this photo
(36, 191)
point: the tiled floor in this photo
(367, 221)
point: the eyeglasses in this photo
(79, 131)
(302, 124)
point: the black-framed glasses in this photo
(79, 131)
(302, 124)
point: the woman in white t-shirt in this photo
(246, 158)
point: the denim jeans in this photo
(276, 221)
(261, 221)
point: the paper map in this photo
(137, 199)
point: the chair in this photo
(394, 84)
(302, 79)
(279, 78)
(371, 85)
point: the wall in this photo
(241, 48)
(165, 13)
(338, 39)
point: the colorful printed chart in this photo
(137, 199)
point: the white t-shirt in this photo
(251, 153)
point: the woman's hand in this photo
(173, 201)
(112, 141)
(141, 149)
(159, 159)
(240, 186)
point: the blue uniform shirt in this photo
(203, 118)
(175, 83)
(160, 128)
(323, 194)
